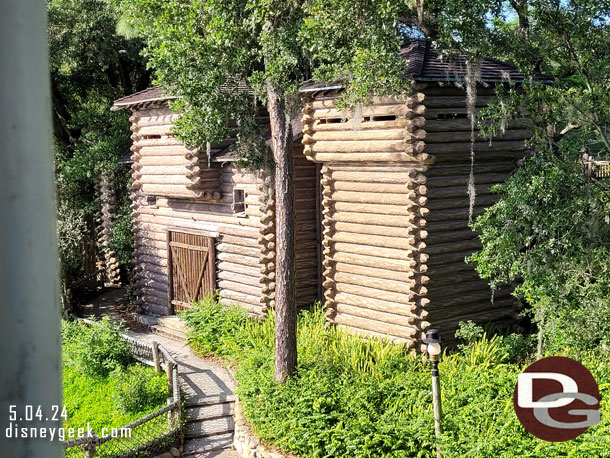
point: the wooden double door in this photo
(192, 268)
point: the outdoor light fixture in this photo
(433, 342)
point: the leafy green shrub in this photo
(355, 397)
(469, 332)
(512, 347)
(216, 327)
(139, 388)
(518, 347)
(96, 350)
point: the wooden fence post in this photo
(170, 382)
(155, 352)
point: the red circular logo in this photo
(556, 399)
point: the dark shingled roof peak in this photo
(425, 65)
(151, 94)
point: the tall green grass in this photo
(357, 397)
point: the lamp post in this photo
(433, 341)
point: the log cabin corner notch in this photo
(395, 204)
(187, 205)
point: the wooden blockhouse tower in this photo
(382, 208)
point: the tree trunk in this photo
(285, 287)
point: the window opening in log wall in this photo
(385, 118)
(192, 268)
(239, 201)
(452, 115)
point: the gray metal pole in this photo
(436, 403)
(30, 372)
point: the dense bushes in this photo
(103, 385)
(139, 388)
(94, 350)
(365, 398)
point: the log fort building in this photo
(382, 207)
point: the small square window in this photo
(239, 201)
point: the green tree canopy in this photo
(91, 66)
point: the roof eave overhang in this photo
(121, 105)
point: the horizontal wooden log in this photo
(439, 204)
(446, 137)
(368, 250)
(444, 258)
(175, 161)
(238, 249)
(390, 221)
(443, 314)
(371, 229)
(180, 180)
(376, 315)
(375, 293)
(502, 315)
(440, 292)
(248, 280)
(462, 299)
(373, 157)
(455, 101)
(349, 125)
(450, 236)
(378, 110)
(253, 291)
(453, 247)
(239, 259)
(372, 208)
(405, 287)
(440, 183)
(459, 191)
(407, 342)
(162, 295)
(479, 147)
(165, 219)
(438, 172)
(447, 270)
(453, 277)
(459, 214)
(463, 124)
(489, 157)
(405, 242)
(379, 176)
(447, 225)
(240, 298)
(163, 151)
(376, 326)
(358, 135)
(159, 120)
(392, 188)
(169, 190)
(368, 146)
(373, 260)
(399, 309)
(373, 197)
(162, 130)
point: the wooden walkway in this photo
(208, 390)
(207, 386)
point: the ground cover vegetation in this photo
(104, 387)
(369, 398)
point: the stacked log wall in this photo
(373, 203)
(166, 167)
(374, 270)
(455, 291)
(245, 242)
